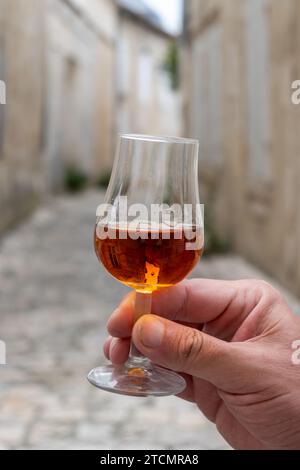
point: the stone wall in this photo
(80, 94)
(57, 59)
(21, 52)
(242, 58)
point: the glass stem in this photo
(143, 302)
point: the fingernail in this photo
(112, 346)
(151, 333)
(106, 347)
(115, 312)
(113, 315)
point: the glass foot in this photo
(137, 381)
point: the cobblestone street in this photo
(54, 303)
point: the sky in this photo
(170, 12)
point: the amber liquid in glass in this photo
(151, 261)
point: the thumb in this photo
(188, 350)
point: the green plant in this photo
(171, 65)
(103, 180)
(214, 243)
(75, 179)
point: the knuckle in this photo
(266, 289)
(271, 293)
(190, 345)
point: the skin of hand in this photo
(232, 342)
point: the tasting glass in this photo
(149, 236)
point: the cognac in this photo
(150, 262)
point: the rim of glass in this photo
(159, 138)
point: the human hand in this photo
(231, 341)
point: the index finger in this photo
(194, 301)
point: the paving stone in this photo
(93, 433)
(12, 433)
(43, 431)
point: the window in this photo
(207, 94)
(3, 95)
(123, 79)
(258, 96)
(145, 68)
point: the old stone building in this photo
(21, 68)
(57, 59)
(242, 58)
(76, 73)
(79, 98)
(145, 100)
